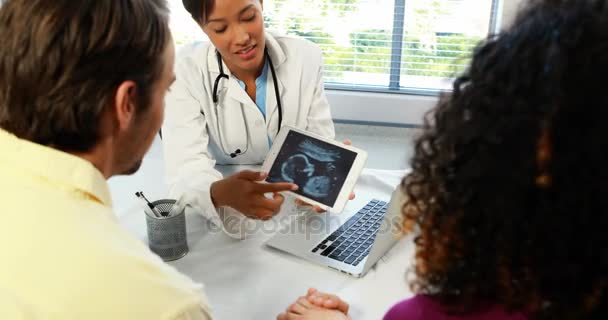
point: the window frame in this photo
(397, 106)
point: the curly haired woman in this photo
(509, 184)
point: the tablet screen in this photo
(317, 167)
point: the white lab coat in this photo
(190, 131)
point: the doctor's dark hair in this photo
(509, 181)
(199, 9)
(62, 61)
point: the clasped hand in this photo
(316, 306)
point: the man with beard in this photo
(82, 85)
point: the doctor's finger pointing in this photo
(275, 187)
(273, 204)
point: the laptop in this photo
(352, 241)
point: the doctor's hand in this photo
(243, 192)
(318, 209)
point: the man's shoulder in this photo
(127, 261)
(96, 268)
(137, 284)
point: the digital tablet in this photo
(324, 170)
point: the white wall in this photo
(397, 109)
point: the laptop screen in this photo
(317, 167)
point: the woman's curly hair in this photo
(509, 181)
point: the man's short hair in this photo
(61, 62)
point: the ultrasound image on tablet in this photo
(317, 167)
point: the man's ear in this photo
(262, 4)
(124, 104)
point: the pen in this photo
(146, 203)
(146, 208)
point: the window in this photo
(377, 45)
(183, 27)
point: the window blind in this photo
(378, 45)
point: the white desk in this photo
(247, 280)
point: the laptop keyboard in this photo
(352, 241)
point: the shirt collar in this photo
(259, 81)
(263, 78)
(55, 166)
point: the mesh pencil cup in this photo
(167, 235)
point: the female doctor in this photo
(230, 99)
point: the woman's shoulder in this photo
(422, 307)
(190, 57)
(413, 308)
(295, 44)
(193, 51)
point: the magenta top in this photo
(422, 307)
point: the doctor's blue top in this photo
(261, 83)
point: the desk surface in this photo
(244, 279)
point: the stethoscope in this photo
(221, 76)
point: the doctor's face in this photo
(236, 29)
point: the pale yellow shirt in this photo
(64, 256)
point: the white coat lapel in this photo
(231, 115)
(227, 88)
(233, 91)
(277, 55)
(230, 118)
(272, 107)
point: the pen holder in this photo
(167, 235)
